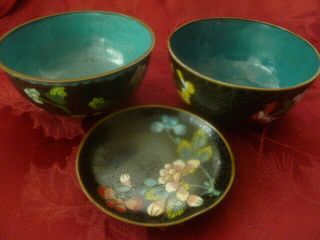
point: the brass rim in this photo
(23, 76)
(106, 211)
(207, 78)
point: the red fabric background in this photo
(276, 194)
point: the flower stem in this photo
(170, 136)
(56, 105)
(211, 180)
(214, 191)
(198, 186)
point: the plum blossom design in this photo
(173, 194)
(274, 109)
(55, 97)
(121, 198)
(170, 125)
(265, 115)
(175, 188)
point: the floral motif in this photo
(112, 201)
(167, 124)
(171, 192)
(125, 180)
(172, 195)
(266, 115)
(98, 103)
(33, 94)
(55, 96)
(121, 201)
(187, 89)
(274, 109)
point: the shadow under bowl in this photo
(77, 63)
(241, 71)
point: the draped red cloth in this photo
(276, 194)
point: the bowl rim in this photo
(243, 87)
(24, 76)
(165, 224)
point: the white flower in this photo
(156, 208)
(172, 187)
(265, 117)
(125, 180)
(33, 94)
(179, 165)
(182, 194)
(194, 201)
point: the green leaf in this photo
(207, 184)
(174, 207)
(98, 103)
(204, 154)
(199, 139)
(150, 182)
(123, 189)
(57, 95)
(184, 150)
(156, 193)
(213, 192)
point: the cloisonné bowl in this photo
(154, 166)
(77, 63)
(241, 71)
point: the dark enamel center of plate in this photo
(154, 165)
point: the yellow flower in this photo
(187, 89)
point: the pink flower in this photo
(194, 201)
(134, 203)
(171, 176)
(112, 201)
(265, 115)
(175, 171)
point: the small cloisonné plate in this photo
(154, 165)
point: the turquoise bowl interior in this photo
(75, 45)
(245, 53)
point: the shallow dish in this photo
(77, 63)
(241, 71)
(154, 166)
